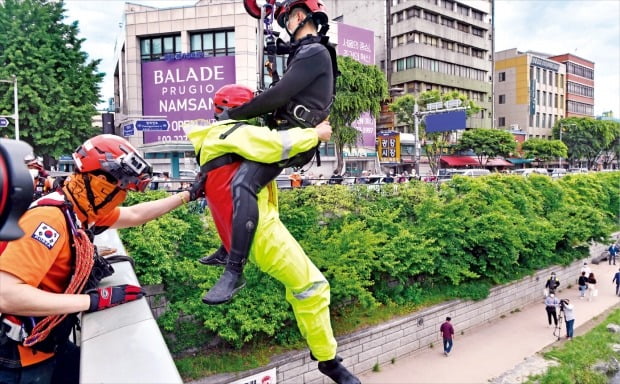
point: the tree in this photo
(544, 150)
(434, 144)
(586, 138)
(58, 85)
(360, 88)
(487, 143)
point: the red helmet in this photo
(114, 156)
(316, 8)
(230, 96)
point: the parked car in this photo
(529, 171)
(557, 172)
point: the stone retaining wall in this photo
(401, 337)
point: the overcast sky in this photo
(586, 28)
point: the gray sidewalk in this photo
(488, 351)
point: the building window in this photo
(477, 53)
(447, 4)
(580, 70)
(538, 75)
(555, 104)
(544, 76)
(413, 12)
(477, 32)
(537, 97)
(502, 99)
(502, 76)
(214, 43)
(462, 49)
(501, 122)
(477, 15)
(154, 48)
(544, 98)
(432, 17)
(462, 10)
(462, 27)
(544, 119)
(537, 119)
(400, 16)
(447, 22)
(447, 45)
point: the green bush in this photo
(403, 244)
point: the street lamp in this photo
(15, 116)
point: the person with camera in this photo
(51, 273)
(551, 305)
(569, 317)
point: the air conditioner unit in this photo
(514, 127)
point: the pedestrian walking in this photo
(583, 284)
(586, 269)
(447, 333)
(613, 252)
(551, 305)
(551, 285)
(617, 281)
(592, 291)
(569, 317)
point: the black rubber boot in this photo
(227, 286)
(219, 257)
(337, 372)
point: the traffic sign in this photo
(152, 125)
(128, 130)
(3, 122)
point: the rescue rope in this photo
(84, 251)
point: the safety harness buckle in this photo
(298, 110)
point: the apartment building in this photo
(426, 45)
(579, 85)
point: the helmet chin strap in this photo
(300, 25)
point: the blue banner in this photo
(447, 121)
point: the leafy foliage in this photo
(360, 88)
(487, 143)
(58, 85)
(587, 138)
(403, 245)
(544, 150)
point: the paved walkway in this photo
(488, 351)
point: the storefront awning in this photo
(463, 161)
(520, 161)
(459, 161)
(498, 163)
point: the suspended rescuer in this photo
(51, 273)
(301, 98)
(224, 150)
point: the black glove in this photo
(102, 298)
(222, 115)
(197, 189)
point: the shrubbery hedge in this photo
(401, 244)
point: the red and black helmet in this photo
(115, 157)
(230, 96)
(317, 10)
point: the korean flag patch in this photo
(46, 235)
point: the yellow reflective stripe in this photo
(287, 144)
(310, 291)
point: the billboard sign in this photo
(359, 44)
(388, 145)
(180, 91)
(447, 121)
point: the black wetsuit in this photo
(309, 81)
